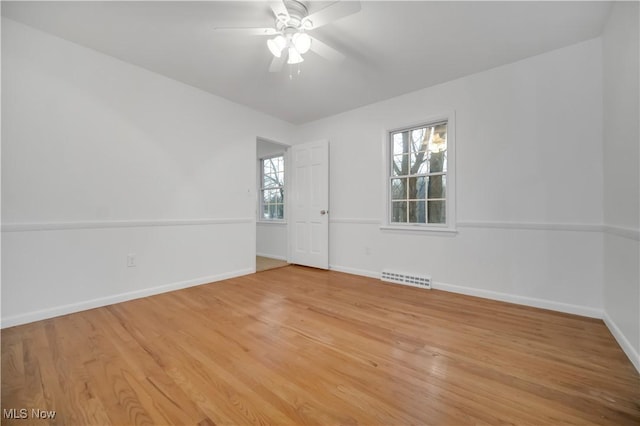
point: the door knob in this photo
(323, 212)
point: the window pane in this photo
(438, 148)
(273, 196)
(399, 211)
(437, 186)
(417, 136)
(417, 187)
(280, 211)
(419, 163)
(398, 189)
(417, 212)
(265, 211)
(270, 181)
(273, 167)
(437, 212)
(270, 167)
(266, 167)
(400, 165)
(272, 211)
(279, 163)
(400, 143)
(419, 143)
(437, 161)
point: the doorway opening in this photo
(272, 236)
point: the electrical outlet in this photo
(131, 260)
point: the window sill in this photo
(420, 229)
(271, 222)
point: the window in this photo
(272, 188)
(418, 180)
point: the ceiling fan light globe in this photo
(294, 56)
(302, 42)
(276, 45)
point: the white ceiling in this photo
(391, 47)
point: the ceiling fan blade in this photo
(333, 12)
(246, 30)
(326, 51)
(278, 63)
(279, 8)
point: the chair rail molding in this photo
(56, 226)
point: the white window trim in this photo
(435, 229)
(259, 218)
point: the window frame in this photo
(450, 199)
(262, 188)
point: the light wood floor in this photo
(301, 346)
(265, 263)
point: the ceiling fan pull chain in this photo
(293, 73)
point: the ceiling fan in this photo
(290, 32)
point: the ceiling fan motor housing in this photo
(295, 21)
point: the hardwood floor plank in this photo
(298, 345)
(163, 396)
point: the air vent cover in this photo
(414, 280)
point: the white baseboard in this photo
(584, 311)
(628, 349)
(493, 295)
(117, 298)
(354, 271)
(272, 256)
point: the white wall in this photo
(271, 240)
(271, 237)
(621, 179)
(529, 183)
(100, 159)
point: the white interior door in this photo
(309, 232)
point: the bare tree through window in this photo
(419, 174)
(272, 188)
